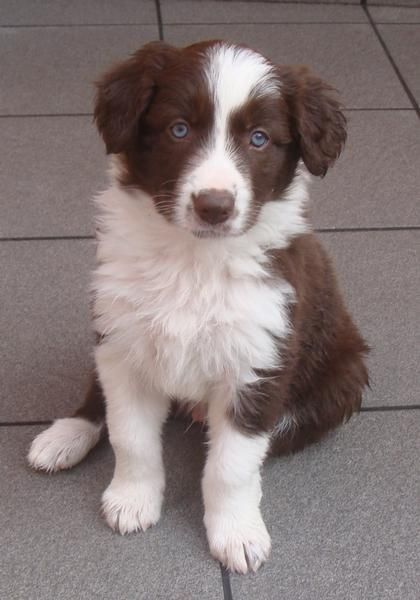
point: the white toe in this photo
(241, 545)
(129, 507)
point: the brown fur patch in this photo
(323, 375)
(93, 408)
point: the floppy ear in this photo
(125, 92)
(318, 124)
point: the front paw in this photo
(240, 543)
(129, 507)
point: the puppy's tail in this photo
(67, 441)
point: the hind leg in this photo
(67, 441)
(331, 401)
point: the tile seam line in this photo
(390, 408)
(390, 58)
(382, 5)
(201, 23)
(364, 409)
(47, 238)
(70, 25)
(52, 238)
(365, 229)
(308, 2)
(159, 19)
(272, 22)
(226, 584)
(43, 115)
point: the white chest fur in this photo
(187, 313)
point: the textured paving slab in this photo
(396, 3)
(347, 56)
(395, 14)
(56, 546)
(191, 11)
(46, 339)
(403, 41)
(50, 167)
(344, 516)
(375, 183)
(379, 275)
(77, 12)
(52, 70)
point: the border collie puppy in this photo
(210, 287)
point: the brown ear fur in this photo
(125, 92)
(318, 123)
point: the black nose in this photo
(213, 206)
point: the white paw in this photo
(129, 507)
(241, 545)
(64, 444)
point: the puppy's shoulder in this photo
(303, 263)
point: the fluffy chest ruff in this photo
(187, 313)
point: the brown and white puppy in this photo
(210, 287)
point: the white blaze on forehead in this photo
(234, 74)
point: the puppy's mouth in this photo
(213, 231)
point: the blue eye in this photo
(259, 139)
(179, 130)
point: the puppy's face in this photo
(214, 131)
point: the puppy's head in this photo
(214, 131)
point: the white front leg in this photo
(135, 415)
(232, 492)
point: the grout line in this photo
(364, 229)
(64, 25)
(177, 23)
(408, 108)
(391, 60)
(380, 4)
(397, 22)
(390, 408)
(37, 115)
(227, 589)
(19, 423)
(311, 2)
(159, 19)
(48, 238)
(224, 572)
(273, 22)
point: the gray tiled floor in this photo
(404, 41)
(343, 515)
(77, 12)
(59, 548)
(40, 205)
(185, 11)
(396, 14)
(367, 193)
(46, 341)
(40, 80)
(347, 55)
